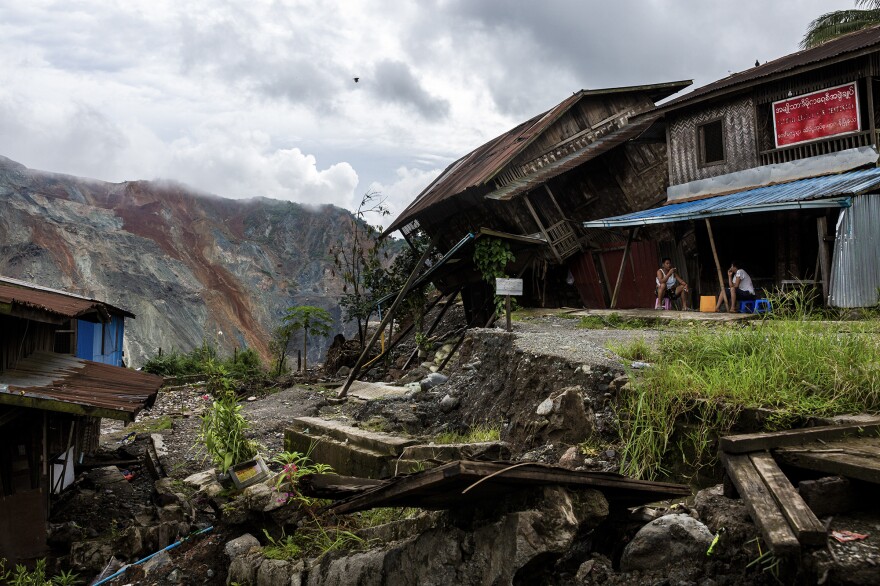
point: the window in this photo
(711, 140)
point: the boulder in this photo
(279, 573)
(240, 545)
(448, 403)
(568, 421)
(432, 380)
(668, 541)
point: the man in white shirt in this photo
(740, 288)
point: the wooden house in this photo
(594, 154)
(776, 166)
(51, 400)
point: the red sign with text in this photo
(818, 115)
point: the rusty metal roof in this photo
(482, 164)
(846, 46)
(60, 382)
(68, 305)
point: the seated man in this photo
(740, 288)
(669, 284)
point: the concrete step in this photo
(382, 443)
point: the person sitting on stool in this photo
(668, 282)
(740, 288)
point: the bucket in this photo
(707, 304)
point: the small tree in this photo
(313, 321)
(358, 255)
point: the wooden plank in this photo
(761, 505)
(617, 284)
(807, 528)
(833, 461)
(754, 442)
(824, 260)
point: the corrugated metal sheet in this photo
(59, 382)
(588, 153)
(855, 268)
(30, 295)
(587, 280)
(482, 164)
(816, 192)
(637, 286)
(854, 43)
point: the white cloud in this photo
(407, 184)
(257, 98)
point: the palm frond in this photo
(834, 24)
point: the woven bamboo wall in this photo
(739, 142)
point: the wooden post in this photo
(824, 264)
(299, 361)
(541, 228)
(507, 310)
(388, 316)
(717, 265)
(629, 240)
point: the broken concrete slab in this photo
(367, 391)
(349, 450)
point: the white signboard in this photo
(508, 286)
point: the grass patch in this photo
(799, 368)
(152, 425)
(611, 321)
(311, 540)
(637, 349)
(478, 433)
(384, 515)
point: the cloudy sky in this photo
(247, 98)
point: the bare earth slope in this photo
(189, 265)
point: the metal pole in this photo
(400, 296)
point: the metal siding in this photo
(739, 142)
(855, 268)
(587, 280)
(85, 339)
(801, 193)
(638, 287)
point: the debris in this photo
(844, 536)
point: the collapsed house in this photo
(597, 153)
(60, 373)
(776, 166)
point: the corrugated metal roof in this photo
(68, 305)
(855, 43)
(60, 382)
(483, 163)
(855, 272)
(827, 191)
(560, 166)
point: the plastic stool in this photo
(763, 306)
(747, 306)
(666, 303)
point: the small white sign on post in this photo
(508, 286)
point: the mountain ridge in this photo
(191, 266)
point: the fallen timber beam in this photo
(806, 526)
(753, 442)
(852, 458)
(761, 504)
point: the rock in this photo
(668, 541)
(257, 497)
(569, 421)
(432, 380)
(639, 364)
(90, 556)
(545, 408)
(108, 478)
(513, 548)
(343, 372)
(571, 459)
(717, 511)
(618, 383)
(584, 570)
(157, 562)
(413, 389)
(448, 403)
(279, 573)
(240, 545)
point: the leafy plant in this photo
(21, 576)
(312, 539)
(223, 427)
(295, 465)
(491, 257)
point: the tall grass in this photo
(797, 367)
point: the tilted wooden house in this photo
(593, 155)
(778, 163)
(52, 400)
